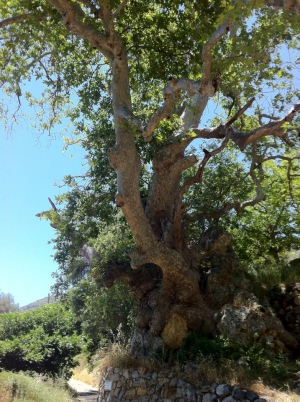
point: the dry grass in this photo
(207, 371)
(5, 394)
(274, 395)
(22, 388)
(83, 372)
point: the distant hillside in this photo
(37, 303)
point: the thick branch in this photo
(164, 112)
(274, 129)
(206, 54)
(91, 6)
(292, 5)
(237, 205)
(239, 112)
(197, 178)
(15, 20)
(120, 8)
(71, 12)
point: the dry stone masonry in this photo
(137, 385)
(286, 303)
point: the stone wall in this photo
(286, 303)
(137, 385)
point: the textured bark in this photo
(169, 290)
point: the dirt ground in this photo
(85, 392)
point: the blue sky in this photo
(29, 168)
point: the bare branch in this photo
(197, 178)
(164, 112)
(16, 19)
(282, 157)
(267, 116)
(292, 5)
(56, 4)
(38, 59)
(91, 6)
(239, 112)
(70, 13)
(52, 204)
(274, 129)
(206, 55)
(120, 8)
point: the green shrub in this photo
(44, 340)
(22, 388)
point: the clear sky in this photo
(28, 171)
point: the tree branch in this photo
(71, 12)
(206, 85)
(197, 178)
(91, 6)
(273, 129)
(16, 19)
(164, 112)
(240, 112)
(292, 5)
(120, 8)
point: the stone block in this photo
(228, 399)
(179, 393)
(210, 398)
(130, 393)
(223, 390)
(151, 390)
(238, 394)
(141, 391)
(180, 383)
(251, 396)
(173, 382)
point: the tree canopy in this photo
(144, 83)
(44, 340)
(7, 303)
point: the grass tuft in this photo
(22, 388)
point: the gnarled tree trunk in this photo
(171, 298)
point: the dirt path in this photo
(85, 392)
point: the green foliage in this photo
(102, 312)
(101, 308)
(23, 388)
(162, 39)
(44, 340)
(7, 303)
(254, 359)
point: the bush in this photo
(44, 340)
(20, 387)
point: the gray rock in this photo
(180, 383)
(210, 398)
(238, 394)
(223, 390)
(252, 396)
(229, 399)
(241, 324)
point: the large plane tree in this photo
(151, 82)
